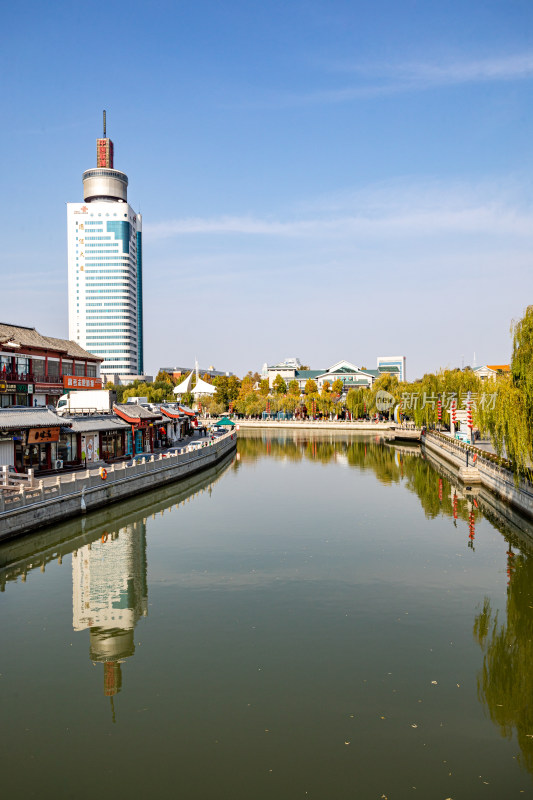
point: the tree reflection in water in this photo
(505, 682)
(390, 464)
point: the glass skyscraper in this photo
(105, 269)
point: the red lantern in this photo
(471, 528)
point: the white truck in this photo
(91, 401)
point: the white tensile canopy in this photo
(184, 386)
(203, 388)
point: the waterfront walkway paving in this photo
(50, 480)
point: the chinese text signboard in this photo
(73, 382)
(43, 435)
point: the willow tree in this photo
(509, 419)
(356, 402)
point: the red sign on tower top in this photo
(104, 153)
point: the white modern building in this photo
(105, 269)
(392, 364)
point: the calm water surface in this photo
(320, 617)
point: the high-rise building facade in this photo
(105, 268)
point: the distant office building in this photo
(181, 372)
(105, 268)
(123, 380)
(287, 369)
(395, 365)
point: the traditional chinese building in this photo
(35, 370)
(140, 437)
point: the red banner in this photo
(75, 382)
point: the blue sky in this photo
(325, 179)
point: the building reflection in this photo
(109, 595)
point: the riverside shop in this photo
(140, 436)
(34, 438)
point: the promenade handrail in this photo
(86, 480)
(503, 465)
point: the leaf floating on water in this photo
(414, 725)
(434, 683)
(346, 742)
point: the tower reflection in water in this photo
(109, 595)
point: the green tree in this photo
(294, 388)
(310, 386)
(338, 386)
(279, 385)
(509, 419)
(264, 387)
(357, 402)
(227, 389)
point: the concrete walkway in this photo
(51, 480)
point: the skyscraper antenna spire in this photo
(104, 124)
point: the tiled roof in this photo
(15, 418)
(29, 337)
(72, 348)
(305, 374)
(172, 413)
(95, 423)
(342, 370)
(134, 411)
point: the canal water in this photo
(320, 616)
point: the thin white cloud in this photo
(378, 214)
(376, 79)
(488, 69)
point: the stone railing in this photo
(13, 480)
(84, 481)
(493, 472)
(462, 448)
